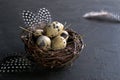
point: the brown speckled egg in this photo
(44, 42)
(58, 43)
(38, 32)
(53, 29)
(64, 34)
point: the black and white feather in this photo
(102, 16)
(15, 64)
(44, 15)
(32, 19)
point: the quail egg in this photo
(44, 42)
(53, 29)
(38, 32)
(58, 43)
(64, 34)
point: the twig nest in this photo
(44, 42)
(62, 52)
(53, 29)
(58, 43)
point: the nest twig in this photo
(53, 58)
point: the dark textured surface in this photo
(100, 60)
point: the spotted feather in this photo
(44, 15)
(15, 64)
(30, 18)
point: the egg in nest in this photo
(53, 29)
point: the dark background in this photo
(100, 59)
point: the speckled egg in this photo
(38, 32)
(64, 34)
(53, 29)
(44, 42)
(58, 43)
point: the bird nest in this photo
(49, 58)
(53, 58)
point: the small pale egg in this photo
(58, 43)
(53, 29)
(44, 42)
(64, 34)
(38, 32)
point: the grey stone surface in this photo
(100, 60)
